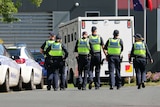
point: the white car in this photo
(10, 74)
(31, 71)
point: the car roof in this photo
(16, 46)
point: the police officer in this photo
(57, 53)
(140, 52)
(83, 48)
(47, 43)
(96, 44)
(114, 47)
(43, 48)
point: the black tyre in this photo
(19, 86)
(30, 85)
(40, 86)
(5, 87)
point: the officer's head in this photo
(52, 35)
(138, 37)
(94, 29)
(116, 33)
(84, 34)
(58, 38)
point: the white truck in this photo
(71, 31)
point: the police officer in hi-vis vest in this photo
(83, 49)
(97, 44)
(47, 43)
(140, 54)
(57, 54)
(43, 48)
(114, 47)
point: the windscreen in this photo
(1, 49)
(14, 52)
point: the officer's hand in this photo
(106, 57)
(151, 61)
(77, 57)
(130, 62)
(102, 61)
(64, 59)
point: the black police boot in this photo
(48, 88)
(96, 88)
(90, 85)
(118, 87)
(62, 89)
(84, 88)
(79, 86)
(55, 89)
(139, 86)
(143, 85)
(111, 88)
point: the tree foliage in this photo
(10, 7)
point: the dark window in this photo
(75, 36)
(28, 53)
(1, 49)
(68, 38)
(14, 52)
(92, 13)
(72, 37)
(65, 39)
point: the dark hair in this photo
(93, 28)
(138, 36)
(52, 34)
(83, 33)
(116, 32)
(58, 37)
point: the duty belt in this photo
(140, 57)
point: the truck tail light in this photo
(83, 25)
(129, 23)
(20, 61)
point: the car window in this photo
(14, 52)
(28, 53)
(1, 49)
(37, 55)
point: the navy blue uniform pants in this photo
(57, 69)
(95, 62)
(114, 70)
(83, 68)
(47, 66)
(139, 66)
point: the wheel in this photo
(40, 86)
(30, 85)
(19, 86)
(5, 87)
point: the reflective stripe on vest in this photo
(139, 49)
(114, 47)
(83, 46)
(56, 49)
(95, 41)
